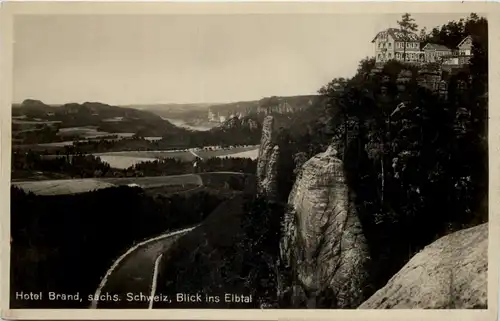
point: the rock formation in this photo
(450, 273)
(323, 243)
(250, 123)
(269, 185)
(267, 164)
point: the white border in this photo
(9, 9)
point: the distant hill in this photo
(214, 111)
(107, 118)
(187, 112)
(170, 107)
(267, 105)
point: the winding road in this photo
(134, 273)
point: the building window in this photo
(389, 44)
(390, 56)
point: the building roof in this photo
(463, 40)
(435, 46)
(398, 35)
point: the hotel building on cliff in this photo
(390, 44)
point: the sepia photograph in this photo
(249, 161)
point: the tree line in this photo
(90, 166)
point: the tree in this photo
(423, 34)
(407, 25)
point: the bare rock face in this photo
(450, 273)
(323, 242)
(267, 159)
(269, 185)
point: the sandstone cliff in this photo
(451, 273)
(267, 164)
(323, 244)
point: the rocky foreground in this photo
(451, 273)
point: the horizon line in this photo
(163, 103)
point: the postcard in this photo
(249, 161)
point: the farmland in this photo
(63, 186)
(252, 154)
(126, 159)
(173, 182)
(122, 161)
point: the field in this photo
(125, 159)
(57, 144)
(252, 154)
(128, 158)
(75, 186)
(35, 122)
(229, 152)
(156, 181)
(122, 162)
(172, 183)
(63, 186)
(148, 154)
(80, 131)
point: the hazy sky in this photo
(127, 59)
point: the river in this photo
(183, 124)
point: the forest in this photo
(66, 243)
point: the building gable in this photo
(382, 35)
(397, 35)
(435, 47)
(466, 43)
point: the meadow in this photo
(174, 182)
(62, 186)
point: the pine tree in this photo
(407, 24)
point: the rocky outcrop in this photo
(235, 123)
(451, 273)
(267, 163)
(323, 242)
(269, 185)
(250, 124)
